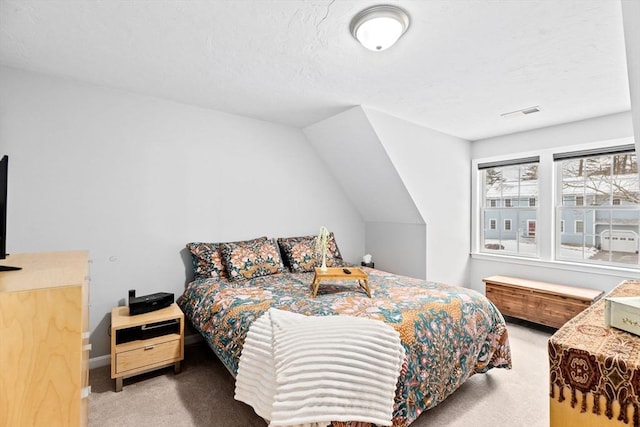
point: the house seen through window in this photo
(592, 217)
(600, 194)
(514, 185)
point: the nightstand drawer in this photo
(148, 356)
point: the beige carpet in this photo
(202, 394)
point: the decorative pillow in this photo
(251, 258)
(207, 260)
(300, 253)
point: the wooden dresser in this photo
(44, 349)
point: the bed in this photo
(449, 333)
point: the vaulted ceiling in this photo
(459, 67)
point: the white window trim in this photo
(504, 225)
(546, 213)
(493, 224)
(575, 226)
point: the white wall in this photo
(434, 167)
(133, 178)
(606, 128)
(398, 248)
(603, 128)
(352, 150)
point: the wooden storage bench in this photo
(539, 302)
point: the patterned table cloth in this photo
(588, 357)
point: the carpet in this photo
(202, 394)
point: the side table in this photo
(145, 342)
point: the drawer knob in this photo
(149, 347)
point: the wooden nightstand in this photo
(145, 342)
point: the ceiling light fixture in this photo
(378, 27)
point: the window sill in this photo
(606, 270)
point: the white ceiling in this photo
(459, 66)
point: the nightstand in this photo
(145, 342)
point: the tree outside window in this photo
(606, 212)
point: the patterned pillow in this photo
(207, 260)
(251, 258)
(300, 253)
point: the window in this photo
(607, 225)
(592, 195)
(508, 188)
(531, 228)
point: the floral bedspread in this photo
(449, 333)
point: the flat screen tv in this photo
(4, 176)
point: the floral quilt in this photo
(449, 333)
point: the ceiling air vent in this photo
(528, 110)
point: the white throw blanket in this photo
(310, 370)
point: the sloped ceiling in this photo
(352, 150)
(459, 66)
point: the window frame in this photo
(511, 206)
(598, 212)
(547, 226)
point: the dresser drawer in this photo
(148, 356)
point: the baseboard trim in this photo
(97, 362)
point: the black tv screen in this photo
(4, 176)
(4, 173)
